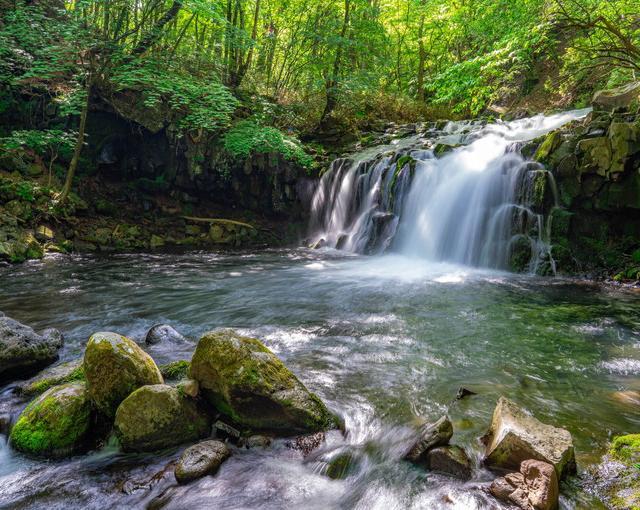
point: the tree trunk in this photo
(154, 34)
(421, 60)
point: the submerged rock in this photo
(23, 352)
(56, 424)
(115, 367)
(63, 373)
(535, 487)
(247, 382)
(163, 333)
(431, 435)
(341, 466)
(515, 436)
(158, 416)
(201, 459)
(451, 460)
(307, 443)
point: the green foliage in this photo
(247, 138)
(43, 143)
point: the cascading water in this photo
(478, 203)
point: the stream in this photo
(385, 341)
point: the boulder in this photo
(23, 352)
(175, 370)
(59, 374)
(451, 460)
(341, 466)
(620, 97)
(430, 436)
(56, 424)
(307, 443)
(189, 387)
(163, 333)
(257, 441)
(114, 367)
(596, 155)
(200, 460)
(156, 417)
(516, 436)
(245, 381)
(535, 487)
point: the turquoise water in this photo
(385, 341)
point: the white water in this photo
(475, 205)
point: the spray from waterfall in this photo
(463, 194)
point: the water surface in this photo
(385, 341)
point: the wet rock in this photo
(320, 243)
(451, 460)
(201, 459)
(247, 382)
(226, 432)
(463, 393)
(63, 373)
(175, 370)
(515, 436)
(56, 424)
(44, 234)
(596, 155)
(431, 435)
(620, 97)
(163, 333)
(24, 352)
(114, 367)
(257, 441)
(535, 487)
(158, 416)
(307, 443)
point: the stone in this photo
(596, 155)
(625, 143)
(44, 234)
(223, 430)
(430, 436)
(175, 370)
(157, 416)
(451, 460)
(535, 487)
(257, 441)
(246, 382)
(114, 367)
(163, 333)
(23, 352)
(189, 387)
(620, 97)
(307, 443)
(515, 436)
(204, 458)
(56, 424)
(59, 374)
(341, 466)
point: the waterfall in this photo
(462, 194)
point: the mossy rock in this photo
(63, 373)
(158, 416)
(245, 381)
(56, 424)
(115, 367)
(175, 370)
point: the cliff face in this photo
(596, 166)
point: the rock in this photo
(307, 443)
(451, 460)
(515, 436)
(115, 367)
(222, 430)
(341, 466)
(158, 416)
(625, 143)
(175, 370)
(620, 97)
(257, 441)
(247, 382)
(200, 460)
(535, 487)
(162, 333)
(463, 393)
(189, 387)
(431, 435)
(53, 376)
(44, 234)
(596, 155)
(23, 352)
(56, 424)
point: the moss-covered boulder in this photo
(175, 370)
(114, 367)
(69, 371)
(158, 416)
(247, 382)
(56, 424)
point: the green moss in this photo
(626, 448)
(55, 424)
(60, 375)
(550, 144)
(175, 370)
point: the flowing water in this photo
(385, 341)
(473, 205)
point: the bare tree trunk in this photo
(421, 60)
(152, 36)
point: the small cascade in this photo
(462, 194)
